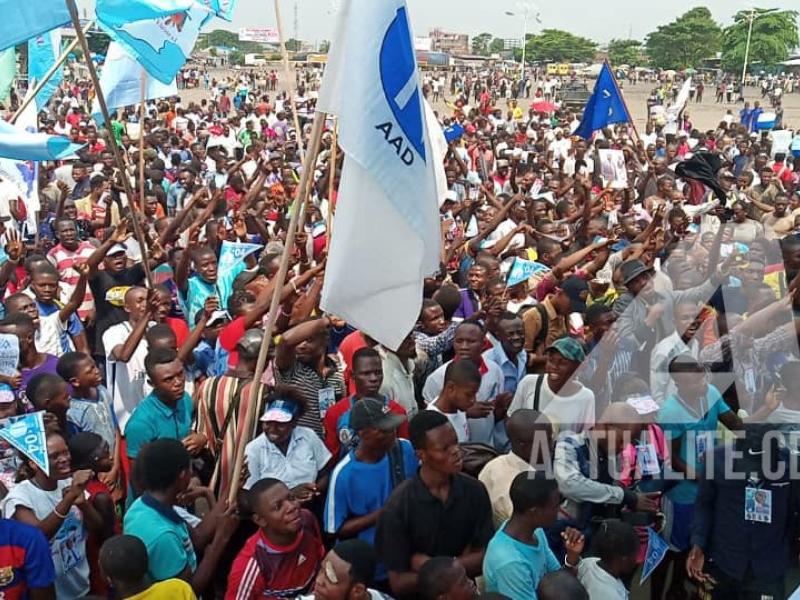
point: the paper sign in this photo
(453, 132)
(781, 140)
(656, 550)
(522, 270)
(9, 354)
(612, 169)
(232, 253)
(644, 405)
(26, 434)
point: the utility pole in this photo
(751, 18)
(296, 23)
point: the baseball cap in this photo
(250, 344)
(369, 412)
(569, 348)
(217, 317)
(117, 248)
(280, 411)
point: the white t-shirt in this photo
(126, 381)
(600, 584)
(68, 545)
(48, 337)
(566, 413)
(458, 420)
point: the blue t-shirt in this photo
(514, 569)
(357, 488)
(74, 325)
(696, 430)
(199, 290)
(25, 560)
(153, 420)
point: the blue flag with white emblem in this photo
(23, 20)
(656, 550)
(20, 144)
(160, 34)
(605, 105)
(26, 434)
(43, 51)
(522, 270)
(387, 216)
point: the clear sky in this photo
(599, 20)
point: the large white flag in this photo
(387, 233)
(121, 82)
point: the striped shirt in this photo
(63, 260)
(265, 570)
(320, 392)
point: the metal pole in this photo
(524, 39)
(50, 72)
(112, 141)
(747, 47)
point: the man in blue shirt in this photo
(364, 479)
(518, 556)
(757, 110)
(509, 355)
(745, 115)
(167, 411)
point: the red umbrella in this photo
(542, 106)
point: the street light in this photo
(751, 17)
(526, 9)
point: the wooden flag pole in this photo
(331, 185)
(50, 72)
(255, 392)
(628, 110)
(141, 140)
(112, 141)
(288, 74)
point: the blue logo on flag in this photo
(26, 434)
(398, 67)
(656, 550)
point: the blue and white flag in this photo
(43, 51)
(656, 550)
(605, 105)
(26, 434)
(121, 82)
(160, 34)
(233, 253)
(387, 218)
(19, 144)
(222, 8)
(522, 270)
(766, 121)
(24, 20)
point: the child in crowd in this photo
(48, 392)
(616, 545)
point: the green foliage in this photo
(98, 42)
(324, 47)
(293, 45)
(236, 57)
(774, 37)
(686, 41)
(480, 44)
(625, 52)
(497, 46)
(558, 46)
(221, 37)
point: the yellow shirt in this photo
(170, 589)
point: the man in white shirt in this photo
(679, 342)
(468, 345)
(461, 382)
(347, 573)
(557, 394)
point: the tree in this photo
(558, 46)
(774, 37)
(497, 46)
(625, 52)
(236, 57)
(324, 47)
(98, 42)
(229, 39)
(480, 44)
(684, 42)
(293, 45)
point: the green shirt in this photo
(165, 535)
(118, 129)
(153, 420)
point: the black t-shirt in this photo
(414, 521)
(108, 291)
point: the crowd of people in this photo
(525, 440)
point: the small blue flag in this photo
(454, 132)
(43, 51)
(656, 550)
(222, 8)
(26, 434)
(23, 20)
(233, 253)
(160, 34)
(604, 106)
(20, 144)
(522, 270)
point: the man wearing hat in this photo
(645, 316)
(364, 479)
(557, 394)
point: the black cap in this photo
(631, 269)
(370, 412)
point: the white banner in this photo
(263, 36)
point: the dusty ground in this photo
(704, 115)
